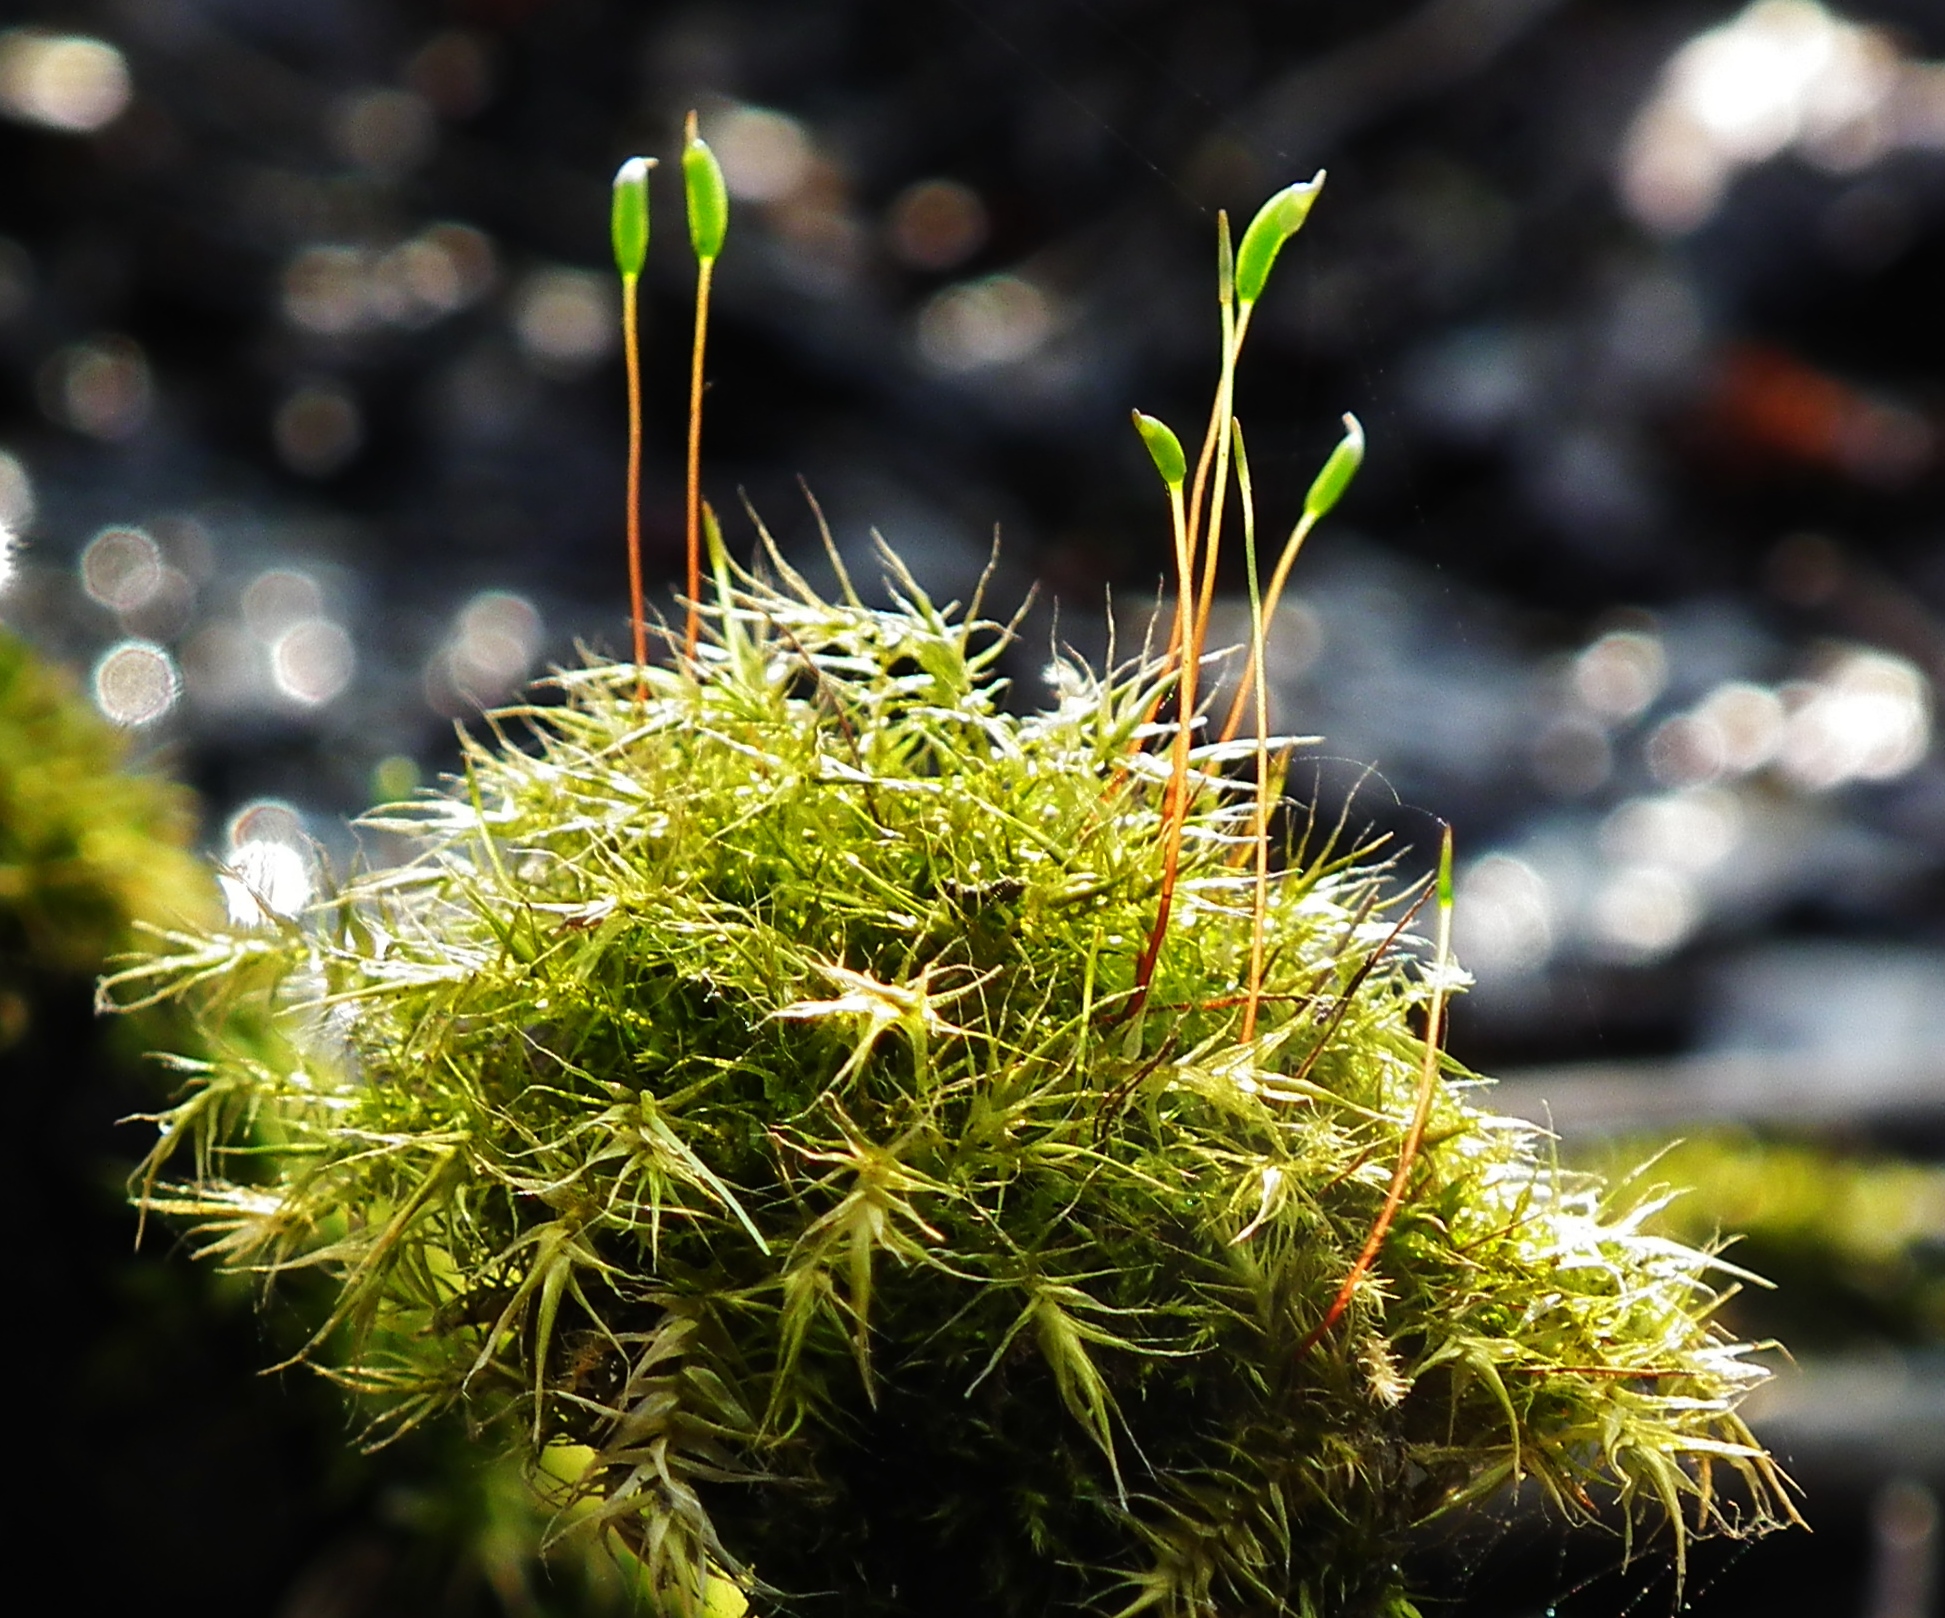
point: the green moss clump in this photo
(744, 1093)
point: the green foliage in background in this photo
(87, 847)
(89, 850)
(741, 1108)
(1851, 1240)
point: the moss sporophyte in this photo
(876, 1152)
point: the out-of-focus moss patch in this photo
(1850, 1240)
(88, 847)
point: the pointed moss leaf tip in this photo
(1275, 223)
(628, 222)
(707, 194)
(1330, 484)
(1164, 447)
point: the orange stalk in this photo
(1260, 898)
(1195, 623)
(1271, 597)
(693, 629)
(1421, 1112)
(631, 346)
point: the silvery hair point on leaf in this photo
(888, 1154)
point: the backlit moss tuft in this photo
(744, 1086)
(873, 1153)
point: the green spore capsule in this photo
(628, 222)
(1164, 447)
(1275, 223)
(707, 194)
(1330, 484)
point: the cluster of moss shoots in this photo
(876, 1152)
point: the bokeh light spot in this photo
(101, 388)
(386, 132)
(1621, 673)
(318, 430)
(324, 290)
(268, 873)
(1682, 831)
(121, 569)
(394, 778)
(565, 320)
(978, 325)
(62, 81)
(1781, 74)
(136, 683)
(1503, 921)
(1748, 723)
(491, 651)
(1643, 912)
(277, 598)
(1685, 751)
(765, 154)
(1867, 718)
(936, 225)
(312, 661)
(453, 71)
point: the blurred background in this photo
(311, 444)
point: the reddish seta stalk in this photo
(1421, 1109)
(631, 345)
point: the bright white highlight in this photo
(16, 512)
(135, 683)
(1645, 911)
(17, 502)
(1868, 718)
(1784, 75)
(267, 873)
(312, 662)
(1685, 832)
(67, 82)
(1503, 918)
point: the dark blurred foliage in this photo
(1640, 587)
